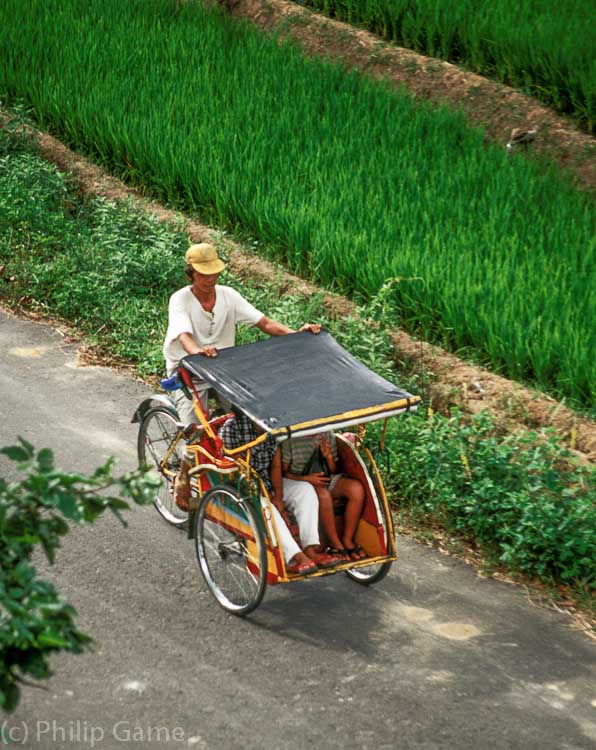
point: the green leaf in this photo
(15, 453)
(116, 502)
(27, 446)
(52, 640)
(45, 459)
(69, 506)
(9, 695)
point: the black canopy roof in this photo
(299, 384)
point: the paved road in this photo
(433, 657)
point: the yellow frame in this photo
(243, 466)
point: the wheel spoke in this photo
(157, 434)
(231, 550)
(368, 574)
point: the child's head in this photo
(242, 416)
(237, 412)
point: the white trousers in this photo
(301, 499)
(289, 547)
(186, 412)
(184, 406)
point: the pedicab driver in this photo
(203, 316)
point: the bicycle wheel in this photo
(157, 433)
(369, 574)
(231, 550)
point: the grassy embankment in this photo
(109, 269)
(344, 179)
(545, 48)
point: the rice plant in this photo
(346, 179)
(546, 48)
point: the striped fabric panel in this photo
(296, 452)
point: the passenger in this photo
(313, 460)
(265, 459)
(203, 316)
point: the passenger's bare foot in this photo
(355, 551)
(181, 487)
(341, 553)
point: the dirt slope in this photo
(453, 380)
(496, 107)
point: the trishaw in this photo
(295, 385)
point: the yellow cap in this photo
(204, 259)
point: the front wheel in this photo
(160, 445)
(231, 550)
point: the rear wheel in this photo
(369, 574)
(231, 550)
(157, 435)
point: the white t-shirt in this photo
(217, 328)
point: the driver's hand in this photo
(312, 327)
(208, 351)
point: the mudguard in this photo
(157, 399)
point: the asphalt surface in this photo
(432, 657)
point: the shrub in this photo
(35, 511)
(522, 497)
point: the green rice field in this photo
(546, 48)
(345, 179)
